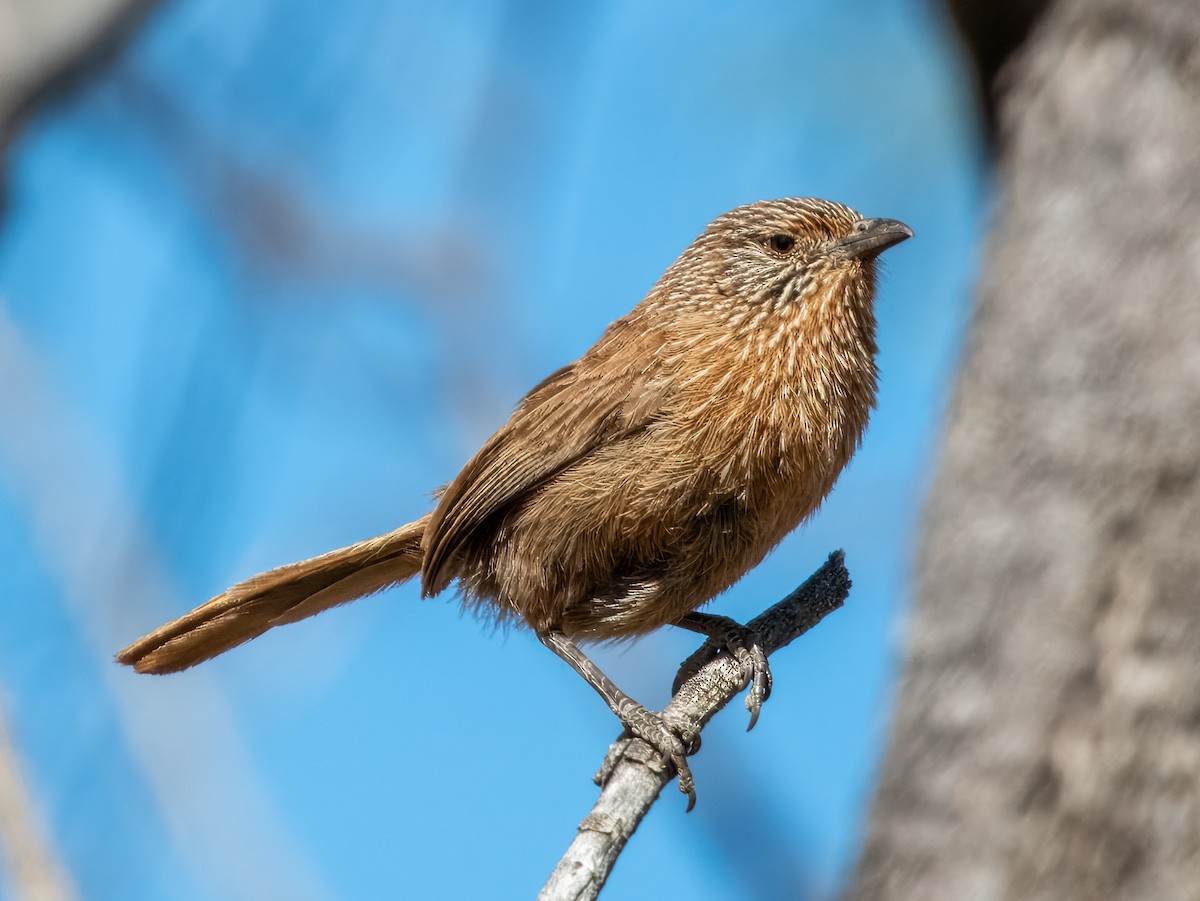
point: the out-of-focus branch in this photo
(34, 873)
(45, 46)
(634, 781)
(991, 33)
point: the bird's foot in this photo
(661, 743)
(729, 637)
(670, 745)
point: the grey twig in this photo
(633, 774)
(32, 869)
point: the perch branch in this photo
(633, 775)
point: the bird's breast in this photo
(775, 402)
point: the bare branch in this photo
(636, 774)
(47, 46)
(34, 869)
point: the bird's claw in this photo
(757, 675)
(743, 644)
(663, 743)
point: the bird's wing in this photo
(613, 390)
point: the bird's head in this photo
(777, 250)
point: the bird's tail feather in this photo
(279, 596)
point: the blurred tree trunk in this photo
(1047, 732)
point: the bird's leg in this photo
(725, 634)
(638, 721)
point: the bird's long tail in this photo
(282, 595)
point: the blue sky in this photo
(274, 273)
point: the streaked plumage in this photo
(633, 485)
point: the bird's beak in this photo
(871, 237)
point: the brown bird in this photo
(632, 486)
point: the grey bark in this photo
(633, 774)
(1047, 735)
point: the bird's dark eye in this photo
(781, 243)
